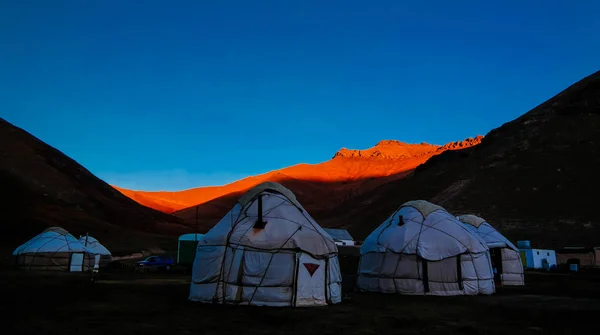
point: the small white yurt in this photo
(102, 256)
(267, 251)
(504, 255)
(54, 249)
(421, 249)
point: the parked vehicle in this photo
(155, 263)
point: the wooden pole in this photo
(196, 225)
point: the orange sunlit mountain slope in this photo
(388, 159)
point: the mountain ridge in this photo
(386, 158)
(394, 149)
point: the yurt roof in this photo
(425, 207)
(288, 225)
(471, 219)
(58, 230)
(268, 186)
(53, 240)
(403, 232)
(492, 237)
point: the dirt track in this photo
(157, 304)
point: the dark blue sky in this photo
(171, 94)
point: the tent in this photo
(423, 249)
(102, 256)
(186, 248)
(54, 249)
(267, 251)
(504, 255)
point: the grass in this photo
(128, 303)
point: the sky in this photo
(170, 95)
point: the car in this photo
(155, 263)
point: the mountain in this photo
(348, 169)
(42, 187)
(534, 178)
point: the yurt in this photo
(102, 257)
(421, 249)
(54, 249)
(267, 251)
(506, 261)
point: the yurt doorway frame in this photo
(496, 258)
(76, 262)
(307, 289)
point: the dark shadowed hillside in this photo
(41, 187)
(535, 177)
(319, 198)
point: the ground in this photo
(129, 303)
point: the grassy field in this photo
(128, 303)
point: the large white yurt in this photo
(421, 249)
(54, 249)
(267, 251)
(504, 255)
(102, 256)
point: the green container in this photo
(186, 249)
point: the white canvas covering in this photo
(101, 255)
(94, 246)
(53, 249)
(505, 255)
(290, 261)
(423, 249)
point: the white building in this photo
(340, 236)
(538, 258)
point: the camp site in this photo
(299, 167)
(268, 260)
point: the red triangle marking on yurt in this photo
(311, 268)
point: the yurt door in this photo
(310, 283)
(76, 262)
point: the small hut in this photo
(54, 249)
